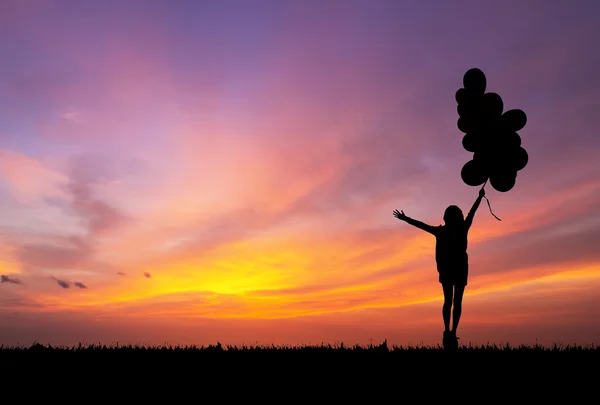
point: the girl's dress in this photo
(450, 249)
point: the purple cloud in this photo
(98, 218)
(85, 172)
(62, 283)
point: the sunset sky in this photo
(201, 171)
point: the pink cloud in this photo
(29, 179)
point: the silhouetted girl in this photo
(451, 258)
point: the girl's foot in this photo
(454, 338)
(448, 338)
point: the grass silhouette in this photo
(329, 351)
(340, 370)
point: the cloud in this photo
(67, 284)
(370, 173)
(62, 283)
(84, 173)
(570, 242)
(17, 301)
(98, 218)
(8, 279)
(74, 253)
(30, 180)
(73, 116)
(120, 273)
(147, 275)
(362, 173)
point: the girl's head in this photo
(453, 216)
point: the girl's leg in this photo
(458, 296)
(447, 305)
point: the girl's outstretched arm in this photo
(427, 228)
(471, 214)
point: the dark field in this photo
(566, 372)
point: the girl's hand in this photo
(400, 215)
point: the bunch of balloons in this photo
(490, 134)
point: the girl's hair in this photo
(453, 215)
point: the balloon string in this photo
(488, 203)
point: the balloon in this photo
(467, 110)
(470, 102)
(492, 104)
(510, 140)
(498, 161)
(502, 165)
(475, 80)
(488, 143)
(480, 157)
(471, 141)
(484, 160)
(514, 119)
(460, 95)
(490, 134)
(518, 158)
(501, 142)
(473, 174)
(503, 182)
(467, 125)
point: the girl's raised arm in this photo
(421, 225)
(471, 214)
